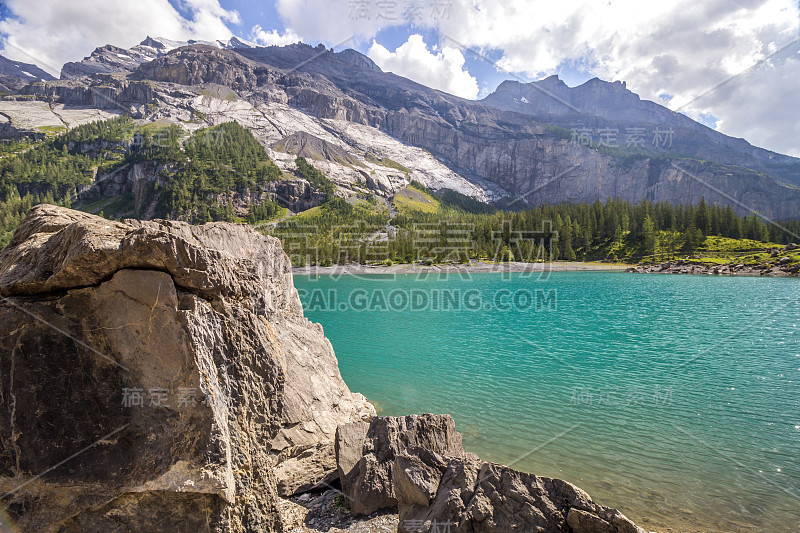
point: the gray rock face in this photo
(475, 496)
(365, 454)
(113, 59)
(153, 366)
(505, 141)
(297, 195)
(222, 67)
(105, 92)
(15, 75)
(417, 463)
(600, 104)
(302, 468)
(311, 147)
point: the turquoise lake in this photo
(673, 398)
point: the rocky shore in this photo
(157, 376)
(780, 264)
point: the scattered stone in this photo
(764, 269)
(329, 513)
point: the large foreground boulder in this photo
(152, 374)
(417, 464)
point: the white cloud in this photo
(761, 109)
(681, 47)
(51, 33)
(443, 70)
(334, 21)
(273, 37)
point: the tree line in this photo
(616, 230)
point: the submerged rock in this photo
(152, 374)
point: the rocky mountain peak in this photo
(596, 84)
(25, 71)
(14, 74)
(353, 57)
(551, 81)
(235, 42)
(113, 59)
(159, 43)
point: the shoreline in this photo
(471, 268)
(480, 267)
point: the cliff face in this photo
(514, 146)
(505, 141)
(538, 168)
(106, 93)
(597, 104)
(153, 366)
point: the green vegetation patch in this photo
(456, 200)
(314, 176)
(412, 198)
(215, 162)
(196, 180)
(615, 231)
(51, 130)
(335, 232)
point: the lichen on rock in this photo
(152, 375)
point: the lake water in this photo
(673, 398)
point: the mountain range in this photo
(524, 144)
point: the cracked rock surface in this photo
(417, 464)
(153, 374)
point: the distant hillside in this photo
(123, 170)
(612, 116)
(14, 74)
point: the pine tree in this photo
(648, 230)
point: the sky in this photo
(734, 65)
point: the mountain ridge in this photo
(553, 101)
(109, 59)
(15, 74)
(528, 152)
